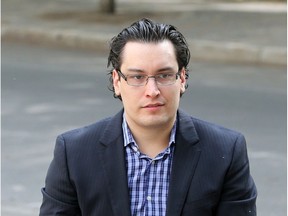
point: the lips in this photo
(153, 105)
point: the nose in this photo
(152, 89)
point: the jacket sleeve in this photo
(59, 195)
(239, 191)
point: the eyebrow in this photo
(165, 69)
(135, 70)
(142, 71)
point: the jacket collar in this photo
(113, 162)
(186, 129)
(186, 155)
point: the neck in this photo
(150, 140)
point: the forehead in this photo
(149, 54)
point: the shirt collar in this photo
(128, 137)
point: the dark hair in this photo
(146, 30)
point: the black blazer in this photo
(210, 172)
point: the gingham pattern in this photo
(148, 179)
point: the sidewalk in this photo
(235, 32)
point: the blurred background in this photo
(54, 78)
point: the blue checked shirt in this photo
(148, 179)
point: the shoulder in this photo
(94, 129)
(94, 132)
(218, 142)
(221, 140)
(205, 128)
(211, 135)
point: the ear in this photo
(183, 80)
(116, 82)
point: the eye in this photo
(137, 77)
(165, 76)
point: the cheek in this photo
(130, 95)
(172, 95)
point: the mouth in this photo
(155, 105)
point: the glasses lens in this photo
(166, 79)
(137, 80)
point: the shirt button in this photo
(149, 198)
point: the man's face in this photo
(151, 105)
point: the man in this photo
(151, 158)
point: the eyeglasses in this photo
(162, 79)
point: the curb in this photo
(63, 38)
(200, 50)
(180, 6)
(237, 53)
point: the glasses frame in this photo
(178, 74)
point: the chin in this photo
(156, 121)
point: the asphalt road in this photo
(46, 91)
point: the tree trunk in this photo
(107, 6)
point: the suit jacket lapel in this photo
(185, 160)
(113, 162)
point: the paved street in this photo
(47, 91)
